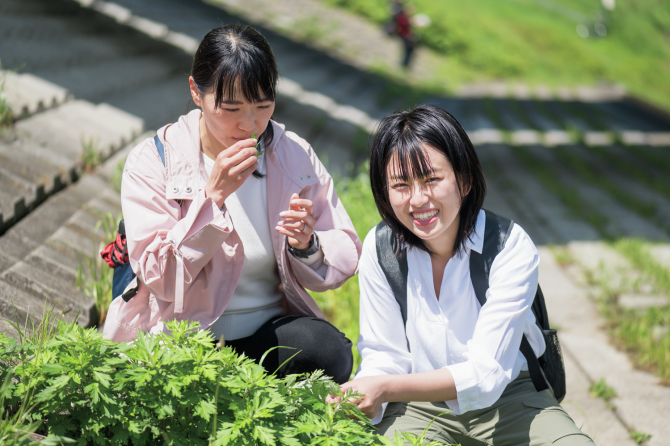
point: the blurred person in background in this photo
(236, 219)
(404, 30)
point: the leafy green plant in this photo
(640, 437)
(602, 390)
(90, 157)
(174, 389)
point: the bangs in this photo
(249, 76)
(408, 160)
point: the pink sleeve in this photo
(339, 242)
(166, 252)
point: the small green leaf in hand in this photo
(258, 146)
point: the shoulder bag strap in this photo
(394, 267)
(496, 233)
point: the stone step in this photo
(78, 122)
(19, 306)
(36, 165)
(553, 222)
(628, 185)
(27, 94)
(620, 221)
(28, 234)
(50, 284)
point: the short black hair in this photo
(237, 56)
(400, 137)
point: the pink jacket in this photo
(188, 257)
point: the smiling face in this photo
(428, 206)
(233, 120)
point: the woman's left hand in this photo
(373, 390)
(298, 222)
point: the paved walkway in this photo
(92, 76)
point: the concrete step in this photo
(636, 191)
(551, 223)
(77, 122)
(620, 221)
(27, 94)
(51, 285)
(28, 234)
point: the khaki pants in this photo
(521, 416)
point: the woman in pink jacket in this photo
(229, 229)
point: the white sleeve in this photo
(494, 347)
(382, 343)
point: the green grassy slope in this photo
(521, 40)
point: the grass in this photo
(94, 276)
(90, 157)
(6, 112)
(602, 390)
(640, 437)
(340, 306)
(524, 41)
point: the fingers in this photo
(239, 146)
(303, 204)
(246, 166)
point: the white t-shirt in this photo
(256, 298)
(479, 345)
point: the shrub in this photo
(172, 389)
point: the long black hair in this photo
(236, 56)
(399, 139)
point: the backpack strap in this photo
(160, 148)
(496, 233)
(394, 267)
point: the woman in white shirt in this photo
(455, 359)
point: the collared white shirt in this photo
(479, 345)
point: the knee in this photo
(321, 346)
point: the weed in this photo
(117, 175)
(562, 255)
(569, 196)
(94, 278)
(173, 387)
(602, 390)
(90, 157)
(640, 437)
(6, 112)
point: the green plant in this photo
(6, 112)
(90, 157)
(175, 389)
(340, 306)
(94, 278)
(602, 390)
(117, 175)
(640, 437)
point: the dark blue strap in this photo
(160, 148)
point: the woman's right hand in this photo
(231, 168)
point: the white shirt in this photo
(256, 298)
(479, 345)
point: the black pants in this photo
(318, 344)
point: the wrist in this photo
(216, 195)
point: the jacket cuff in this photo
(467, 392)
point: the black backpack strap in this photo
(496, 233)
(160, 148)
(394, 266)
